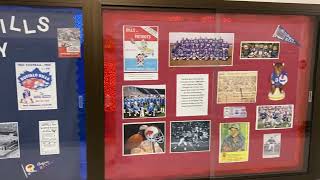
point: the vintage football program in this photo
(271, 145)
(69, 43)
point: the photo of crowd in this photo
(260, 50)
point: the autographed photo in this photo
(274, 117)
(9, 140)
(189, 49)
(143, 138)
(190, 136)
(144, 101)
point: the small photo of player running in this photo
(190, 136)
(144, 101)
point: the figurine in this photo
(279, 79)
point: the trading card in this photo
(188, 49)
(144, 101)
(140, 48)
(9, 140)
(260, 50)
(237, 87)
(235, 112)
(190, 136)
(271, 145)
(274, 117)
(234, 142)
(69, 43)
(36, 85)
(143, 138)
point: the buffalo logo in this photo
(35, 79)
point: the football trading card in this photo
(274, 117)
(9, 140)
(260, 50)
(144, 101)
(234, 142)
(192, 94)
(49, 137)
(188, 49)
(36, 85)
(69, 44)
(144, 138)
(237, 87)
(235, 112)
(140, 48)
(190, 136)
(271, 145)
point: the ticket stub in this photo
(235, 112)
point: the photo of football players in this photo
(200, 49)
(260, 50)
(143, 138)
(9, 140)
(190, 136)
(271, 145)
(144, 101)
(274, 117)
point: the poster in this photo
(188, 49)
(271, 145)
(143, 138)
(234, 142)
(144, 101)
(260, 50)
(69, 42)
(190, 136)
(140, 52)
(9, 140)
(49, 137)
(36, 85)
(192, 94)
(274, 117)
(237, 87)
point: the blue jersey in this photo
(279, 80)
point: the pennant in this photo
(283, 35)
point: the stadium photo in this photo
(9, 140)
(190, 136)
(274, 117)
(144, 101)
(200, 49)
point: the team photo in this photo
(190, 136)
(143, 138)
(144, 101)
(200, 49)
(274, 117)
(271, 145)
(260, 50)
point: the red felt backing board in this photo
(201, 164)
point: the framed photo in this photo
(9, 140)
(190, 136)
(144, 101)
(271, 145)
(143, 138)
(274, 117)
(260, 50)
(188, 49)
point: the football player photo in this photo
(143, 138)
(260, 50)
(144, 101)
(9, 140)
(274, 117)
(271, 145)
(190, 136)
(189, 49)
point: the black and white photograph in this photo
(189, 49)
(260, 50)
(271, 145)
(190, 136)
(274, 117)
(144, 101)
(143, 138)
(9, 140)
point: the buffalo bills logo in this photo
(35, 79)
